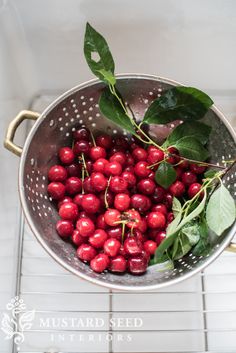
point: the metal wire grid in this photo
(197, 316)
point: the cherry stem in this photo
(198, 162)
(84, 164)
(93, 139)
(106, 191)
(123, 231)
(82, 177)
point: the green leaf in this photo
(177, 210)
(220, 211)
(181, 247)
(165, 244)
(95, 45)
(165, 174)
(176, 206)
(203, 246)
(210, 173)
(191, 231)
(200, 131)
(163, 263)
(178, 103)
(111, 108)
(189, 147)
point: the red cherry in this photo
(197, 169)
(133, 246)
(90, 203)
(155, 155)
(88, 186)
(179, 172)
(57, 173)
(64, 228)
(139, 154)
(151, 175)
(104, 141)
(129, 159)
(81, 146)
(142, 226)
(109, 198)
(118, 264)
(73, 169)
(118, 184)
(122, 202)
(140, 202)
(156, 220)
(168, 200)
(65, 199)
(73, 185)
(118, 157)
(100, 222)
(84, 214)
(160, 208)
(81, 134)
(137, 234)
(56, 190)
(141, 169)
(130, 169)
(99, 263)
(85, 227)
(160, 236)
(86, 252)
(99, 165)
(133, 218)
(177, 189)
(115, 149)
(112, 216)
(76, 238)
(111, 247)
(97, 152)
(150, 246)
(69, 211)
(183, 164)
(158, 194)
(194, 189)
(146, 186)
(137, 265)
(170, 155)
(78, 200)
(129, 177)
(189, 178)
(98, 238)
(115, 232)
(113, 168)
(66, 155)
(98, 181)
(170, 217)
(89, 166)
(121, 142)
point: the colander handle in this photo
(9, 138)
(231, 247)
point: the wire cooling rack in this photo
(71, 315)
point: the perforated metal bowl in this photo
(53, 129)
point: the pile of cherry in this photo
(110, 205)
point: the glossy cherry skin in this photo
(140, 202)
(74, 169)
(69, 211)
(113, 168)
(98, 238)
(111, 247)
(142, 226)
(158, 195)
(81, 134)
(133, 218)
(189, 178)
(115, 232)
(87, 185)
(66, 155)
(137, 234)
(168, 200)
(129, 177)
(118, 184)
(141, 169)
(160, 208)
(150, 246)
(65, 199)
(98, 181)
(64, 228)
(90, 203)
(118, 264)
(99, 165)
(160, 236)
(122, 202)
(73, 185)
(86, 252)
(77, 238)
(78, 200)
(172, 155)
(56, 190)
(139, 154)
(146, 186)
(89, 166)
(137, 265)
(118, 157)
(104, 141)
(132, 246)
(183, 164)
(177, 189)
(81, 146)
(197, 169)
(99, 263)
(129, 160)
(194, 189)
(156, 220)
(85, 227)
(170, 217)
(57, 173)
(100, 222)
(155, 155)
(97, 152)
(111, 217)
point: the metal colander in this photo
(53, 129)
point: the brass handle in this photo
(9, 138)
(231, 247)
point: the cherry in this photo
(129, 159)
(150, 246)
(155, 155)
(88, 186)
(99, 263)
(183, 164)
(89, 166)
(170, 158)
(189, 178)
(177, 189)
(156, 220)
(140, 202)
(137, 234)
(86, 252)
(115, 149)
(81, 146)
(130, 169)
(142, 226)
(81, 134)
(137, 265)
(78, 200)
(141, 169)
(115, 232)
(73, 169)
(160, 236)
(133, 218)
(133, 246)
(118, 157)
(76, 238)
(113, 168)
(66, 155)
(90, 203)
(121, 142)
(118, 264)
(104, 141)
(98, 181)
(57, 173)
(98, 238)
(122, 202)
(146, 186)
(168, 200)
(56, 190)
(160, 208)
(179, 172)
(97, 152)
(197, 168)
(194, 189)
(112, 216)
(109, 198)
(85, 227)
(100, 222)
(99, 165)
(139, 154)
(158, 194)
(64, 228)
(73, 185)
(64, 200)
(84, 214)
(151, 175)
(69, 211)
(118, 184)
(170, 217)
(129, 177)
(111, 247)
